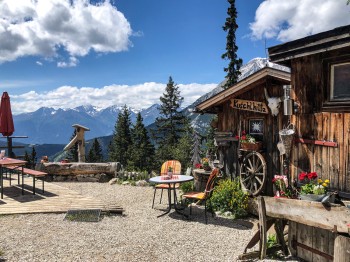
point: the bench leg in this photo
(43, 185)
(33, 185)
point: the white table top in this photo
(174, 179)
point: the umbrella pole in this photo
(9, 147)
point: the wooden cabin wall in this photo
(313, 123)
(228, 121)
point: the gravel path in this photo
(138, 235)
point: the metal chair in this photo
(203, 196)
(176, 169)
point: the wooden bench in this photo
(35, 174)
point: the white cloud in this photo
(39, 63)
(293, 19)
(45, 27)
(136, 96)
(72, 62)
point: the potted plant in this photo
(170, 171)
(248, 142)
(205, 164)
(313, 189)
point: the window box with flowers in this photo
(313, 188)
(248, 142)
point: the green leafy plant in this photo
(312, 185)
(187, 187)
(271, 240)
(229, 196)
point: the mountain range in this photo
(54, 126)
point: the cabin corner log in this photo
(57, 168)
(334, 217)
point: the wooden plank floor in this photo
(56, 199)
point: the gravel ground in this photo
(137, 235)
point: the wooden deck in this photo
(55, 199)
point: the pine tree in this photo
(231, 48)
(169, 125)
(73, 151)
(183, 150)
(142, 151)
(33, 157)
(95, 153)
(121, 141)
(196, 149)
(28, 160)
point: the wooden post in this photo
(342, 249)
(79, 138)
(262, 227)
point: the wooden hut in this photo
(320, 113)
(320, 66)
(320, 80)
(244, 107)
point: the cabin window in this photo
(336, 84)
(340, 82)
(256, 128)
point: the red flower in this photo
(244, 137)
(302, 176)
(237, 137)
(312, 175)
(274, 180)
(198, 165)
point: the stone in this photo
(113, 181)
(141, 183)
(126, 183)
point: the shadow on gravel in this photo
(198, 217)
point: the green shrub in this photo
(229, 196)
(187, 187)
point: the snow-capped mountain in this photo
(50, 126)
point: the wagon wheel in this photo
(253, 173)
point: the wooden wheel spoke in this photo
(258, 179)
(259, 168)
(259, 174)
(250, 164)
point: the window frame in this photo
(329, 103)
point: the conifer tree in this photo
(169, 125)
(183, 150)
(33, 157)
(119, 150)
(231, 48)
(28, 159)
(95, 153)
(142, 151)
(73, 151)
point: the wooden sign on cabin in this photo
(247, 105)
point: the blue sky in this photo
(122, 52)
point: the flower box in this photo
(251, 146)
(312, 197)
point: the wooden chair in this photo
(176, 167)
(203, 196)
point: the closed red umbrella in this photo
(6, 121)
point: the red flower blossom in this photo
(302, 176)
(244, 137)
(198, 165)
(312, 175)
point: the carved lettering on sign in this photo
(247, 105)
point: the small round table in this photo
(171, 182)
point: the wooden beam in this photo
(334, 217)
(316, 142)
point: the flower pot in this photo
(251, 146)
(312, 197)
(207, 168)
